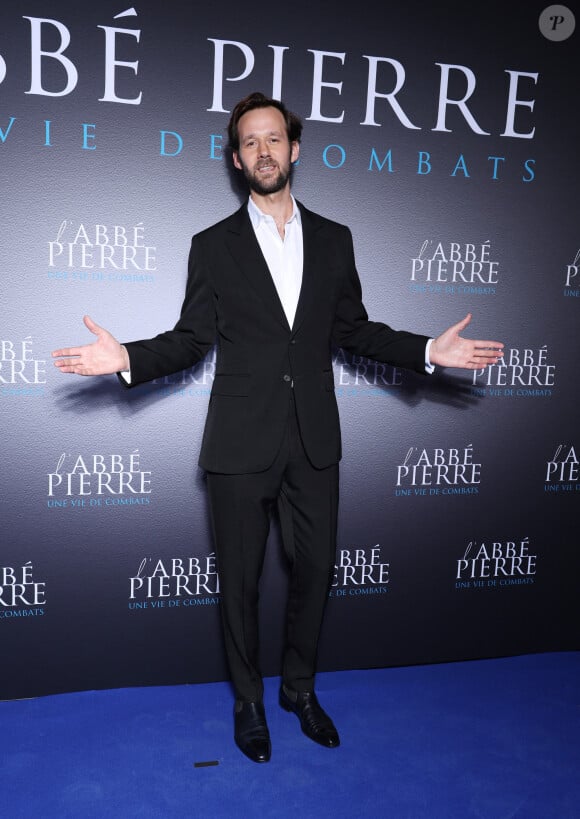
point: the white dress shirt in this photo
(284, 256)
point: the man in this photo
(275, 287)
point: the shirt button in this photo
(287, 378)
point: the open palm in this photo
(102, 357)
(450, 349)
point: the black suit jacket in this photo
(231, 301)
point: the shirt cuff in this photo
(126, 374)
(429, 368)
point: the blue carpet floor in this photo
(489, 739)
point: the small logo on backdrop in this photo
(360, 572)
(105, 254)
(357, 375)
(21, 374)
(429, 472)
(572, 278)
(557, 23)
(562, 470)
(493, 564)
(174, 583)
(520, 373)
(20, 594)
(98, 481)
(454, 268)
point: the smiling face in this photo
(265, 154)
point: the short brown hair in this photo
(259, 100)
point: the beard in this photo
(274, 183)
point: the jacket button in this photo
(287, 378)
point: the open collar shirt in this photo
(284, 256)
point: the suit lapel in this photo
(246, 252)
(309, 279)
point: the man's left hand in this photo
(451, 350)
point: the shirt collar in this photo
(257, 216)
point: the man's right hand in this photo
(103, 357)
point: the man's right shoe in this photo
(251, 731)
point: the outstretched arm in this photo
(104, 356)
(451, 350)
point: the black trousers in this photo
(241, 508)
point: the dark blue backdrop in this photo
(446, 138)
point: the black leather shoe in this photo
(251, 731)
(314, 721)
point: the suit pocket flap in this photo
(231, 384)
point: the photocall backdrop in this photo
(446, 137)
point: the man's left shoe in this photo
(314, 721)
